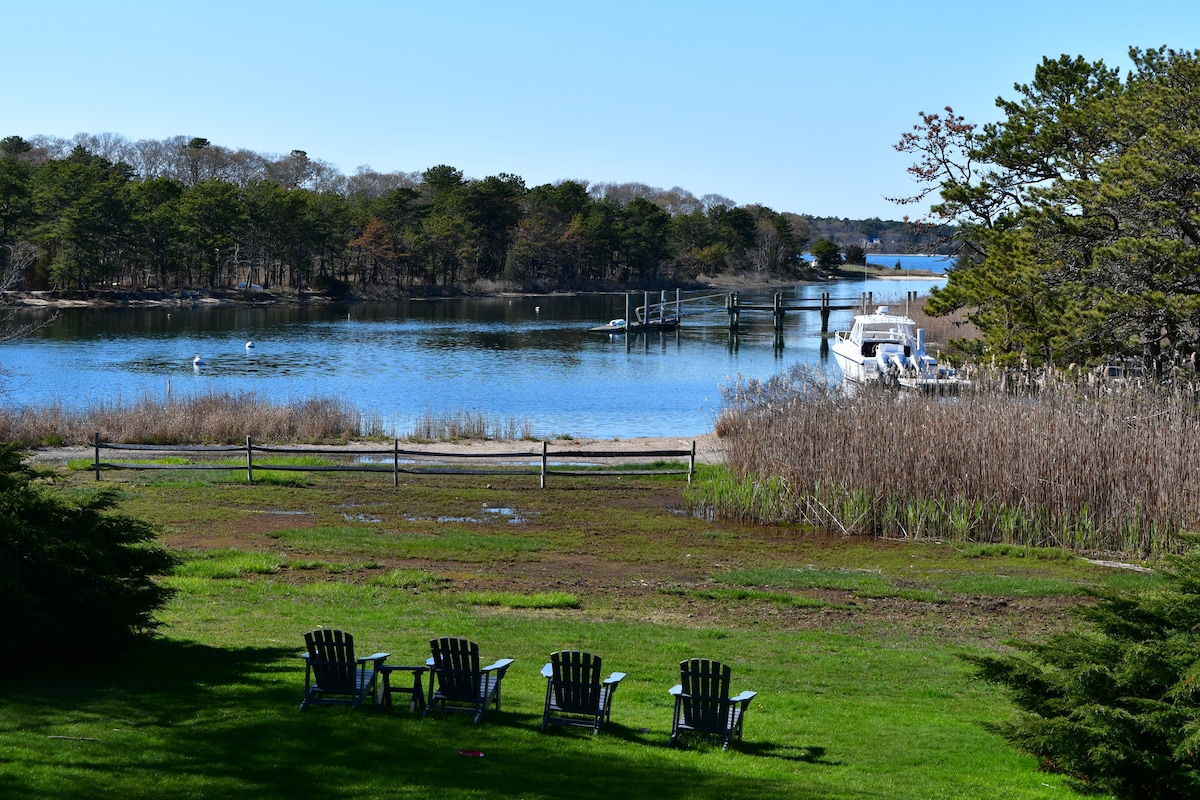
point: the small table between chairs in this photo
(416, 691)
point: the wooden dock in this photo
(668, 314)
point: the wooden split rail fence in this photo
(543, 462)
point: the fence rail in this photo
(542, 462)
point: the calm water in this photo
(529, 358)
(938, 264)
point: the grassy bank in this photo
(851, 644)
(1099, 469)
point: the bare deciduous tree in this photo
(21, 255)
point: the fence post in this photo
(692, 463)
(249, 461)
(96, 439)
(395, 462)
(543, 464)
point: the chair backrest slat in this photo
(576, 681)
(331, 657)
(705, 694)
(456, 662)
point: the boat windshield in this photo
(887, 330)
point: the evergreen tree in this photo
(1115, 706)
(72, 574)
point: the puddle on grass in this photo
(511, 513)
(359, 518)
(282, 512)
(490, 514)
(705, 513)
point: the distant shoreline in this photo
(105, 298)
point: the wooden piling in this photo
(628, 321)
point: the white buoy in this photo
(249, 345)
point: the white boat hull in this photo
(851, 362)
(889, 346)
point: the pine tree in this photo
(73, 574)
(1114, 705)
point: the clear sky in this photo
(795, 105)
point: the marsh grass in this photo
(1073, 466)
(212, 418)
(448, 426)
(941, 333)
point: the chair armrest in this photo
(676, 690)
(744, 697)
(376, 657)
(502, 664)
(548, 671)
(615, 678)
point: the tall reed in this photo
(213, 418)
(468, 424)
(1094, 469)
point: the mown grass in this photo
(852, 702)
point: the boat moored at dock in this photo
(886, 346)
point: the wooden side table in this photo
(416, 691)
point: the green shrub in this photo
(72, 574)
(1115, 707)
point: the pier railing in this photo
(541, 461)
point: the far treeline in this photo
(101, 212)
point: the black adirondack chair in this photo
(703, 704)
(575, 693)
(332, 675)
(458, 683)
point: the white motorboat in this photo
(886, 346)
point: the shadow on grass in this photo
(178, 719)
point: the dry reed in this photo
(1093, 469)
(449, 426)
(200, 419)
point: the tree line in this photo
(102, 212)
(1077, 214)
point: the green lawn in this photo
(851, 645)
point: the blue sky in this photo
(795, 105)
